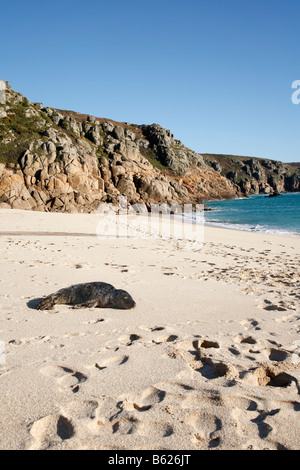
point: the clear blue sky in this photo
(217, 73)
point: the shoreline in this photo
(263, 223)
(89, 218)
(267, 232)
(211, 348)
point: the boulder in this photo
(155, 190)
(126, 187)
(118, 133)
(107, 126)
(129, 134)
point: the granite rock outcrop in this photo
(56, 160)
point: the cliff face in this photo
(257, 175)
(53, 160)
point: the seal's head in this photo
(123, 300)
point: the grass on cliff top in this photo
(231, 163)
(295, 167)
(20, 129)
(17, 131)
(244, 158)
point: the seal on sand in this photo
(90, 294)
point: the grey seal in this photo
(90, 294)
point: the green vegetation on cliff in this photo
(53, 159)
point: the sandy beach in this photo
(208, 359)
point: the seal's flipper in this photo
(89, 304)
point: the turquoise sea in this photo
(257, 213)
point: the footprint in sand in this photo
(285, 318)
(124, 340)
(274, 307)
(137, 414)
(270, 376)
(275, 366)
(128, 340)
(111, 415)
(67, 379)
(143, 401)
(157, 328)
(251, 323)
(245, 340)
(109, 362)
(50, 431)
(160, 429)
(165, 339)
(206, 426)
(201, 357)
(93, 321)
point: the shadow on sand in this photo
(34, 303)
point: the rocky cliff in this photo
(54, 160)
(257, 175)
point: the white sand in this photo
(208, 359)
